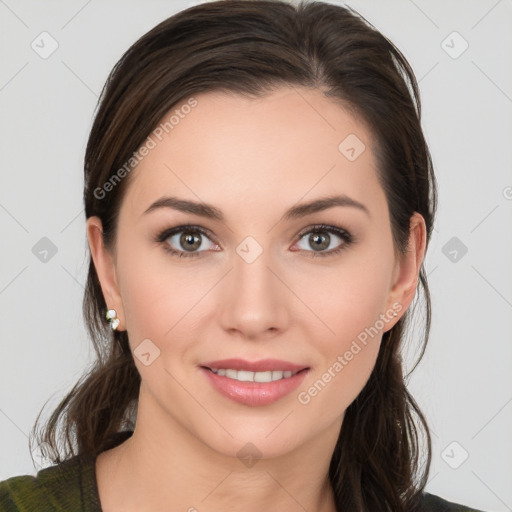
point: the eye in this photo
(319, 238)
(187, 239)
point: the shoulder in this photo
(21, 493)
(55, 488)
(433, 503)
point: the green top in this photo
(71, 486)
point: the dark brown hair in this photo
(250, 48)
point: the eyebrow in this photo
(295, 212)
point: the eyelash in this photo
(346, 236)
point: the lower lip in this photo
(254, 393)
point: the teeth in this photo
(246, 376)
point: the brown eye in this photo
(320, 238)
(319, 241)
(185, 241)
(190, 242)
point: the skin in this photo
(253, 159)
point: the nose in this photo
(254, 299)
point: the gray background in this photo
(463, 383)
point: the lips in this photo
(263, 365)
(254, 394)
(254, 383)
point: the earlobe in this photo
(408, 267)
(104, 264)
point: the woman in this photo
(259, 199)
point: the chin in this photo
(252, 439)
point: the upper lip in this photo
(262, 365)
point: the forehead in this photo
(286, 145)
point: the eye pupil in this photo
(187, 241)
(316, 238)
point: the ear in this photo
(407, 268)
(104, 262)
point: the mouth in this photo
(254, 383)
(264, 370)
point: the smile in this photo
(247, 376)
(254, 388)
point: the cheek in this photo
(354, 309)
(347, 357)
(354, 298)
(160, 300)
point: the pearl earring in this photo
(112, 318)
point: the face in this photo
(315, 290)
